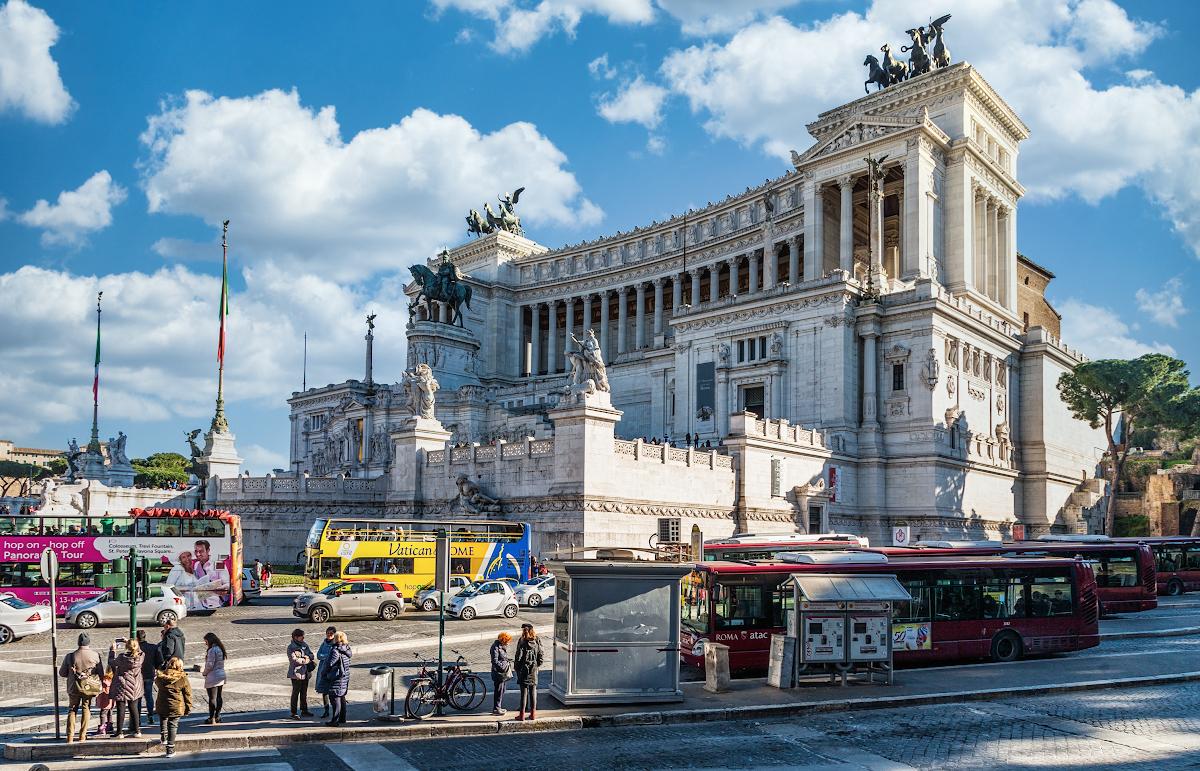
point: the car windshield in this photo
(13, 602)
(471, 590)
(533, 581)
(333, 588)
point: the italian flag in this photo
(96, 381)
(222, 312)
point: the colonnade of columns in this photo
(538, 359)
(990, 263)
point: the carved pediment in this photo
(856, 130)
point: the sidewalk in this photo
(748, 699)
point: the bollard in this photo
(716, 668)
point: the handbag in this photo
(310, 666)
(87, 683)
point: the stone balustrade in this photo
(782, 431)
(671, 456)
(270, 487)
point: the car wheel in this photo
(6, 635)
(1175, 587)
(510, 611)
(1007, 646)
(167, 616)
(389, 612)
(534, 600)
(319, 615)
(467, 614)
(429, 604)
(86, 620)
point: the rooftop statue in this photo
(506, 219)
(921, 60)
(444, 286)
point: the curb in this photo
(29, 751)
(1178, 632)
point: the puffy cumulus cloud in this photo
(160, 338)
(520, 25)
(1099, 333)
(772, 77)
(636, 102)
(78, 212)
(711, 17)
(29, 79)
(1165, 306)
(301, 196)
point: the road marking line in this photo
(369, 756)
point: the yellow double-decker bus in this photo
(401, 551)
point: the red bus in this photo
(998, 607)
(764, 546)
(1125, 574)
(1177, 561)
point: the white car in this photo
(18, 618)
(250, 587)
(484, 598)
(535, 591)
(163, 604)
(427, 598)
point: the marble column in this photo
(695, 298)
(521, 337)
(993, 244)
(770, 265)
(714, 282)
(658, 306)
(441, 311)
(568, 343)
(587, 315)
(794, 260)
(535, 339)
(814, 264)
(552, 347)
(733, 275)
(622, 317)
(870, 412)
(639, 335)
(676, 293)
(604, 300)
(846, 242)
(753, 272)
(979, 258)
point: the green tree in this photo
(161, 469)
(1124, 396)
(14, 476)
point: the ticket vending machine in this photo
(843, 623)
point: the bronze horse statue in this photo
(442, 286)
(477, 225)
(875, 75)
(897, 71)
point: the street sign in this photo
(441, 570)
(49, 563)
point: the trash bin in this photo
(383, 693)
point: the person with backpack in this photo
(301, 663)
(84, 674)
(528, 661)
(336, 679)
(174, 701)
(127, 687)
(214, 676)
(152, 663)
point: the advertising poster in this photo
(834, 483)
(912, 637)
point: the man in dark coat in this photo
(82, 661)
(152, 662)
(173, 642)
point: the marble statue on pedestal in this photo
(419, 387)
(57, 501)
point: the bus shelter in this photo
(844, 622)
(616, 631)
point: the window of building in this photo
(897, 377)
(669, 529)
(753, 400)
(814, 519)
(750, 346)
(762, 347)
(741, 346)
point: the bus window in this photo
(695, 603)
(331, 567)
(1193, 558)
(1051, 597)
(916, 609)
(400, 565)
(460, 565)
(198, 527)
(55, 526)
(20, 574)
(19, 526)
(1170, 559)
(956, 600)
(739, 607)
(1115, 570)
(314, 533)
(310, 569)
(1003, 598)
(782, 600)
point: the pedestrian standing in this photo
(173, 641)
(337, 678)
(127, 687)
(258, 571)
(502, 671)
(268, 572)
(322, 657)
(301, 663)
(214, 676)
(104, 703)
(85, 675)
(528, 661)
(174, 701)
(150, 664)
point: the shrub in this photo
(1132, 526)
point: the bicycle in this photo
(460, 688)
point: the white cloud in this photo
(159, 344)
(520, 25)
(635, 102)
(78, 212)
(1166, 306)
(29, 79)
(656, 144)
(712, 17)
(1099, 333)
(299, 195)
(772, 77)
(600, 69)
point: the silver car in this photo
(163, 605)
(250, 587)
(535, 591)
(427, 598)
(484, 598)
(380, 599)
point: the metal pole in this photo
(54, 650)
(441, 635)
(132, 592)
(392, 708)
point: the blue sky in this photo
(346, 144)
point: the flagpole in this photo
(219, 423)
(94, 445)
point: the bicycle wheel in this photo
(468, 693)
(421, 699)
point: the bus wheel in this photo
(389, 612)
(6, 635)
(85, 620)
(1007, 646)
(429, 604)
(1175, 587)
(319, 614)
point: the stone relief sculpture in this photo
(930, 371)
(723, 353)
(59, 502)
(588, 373)
(381, 446)
(776, 345)
(419, 387)
(471, 499)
